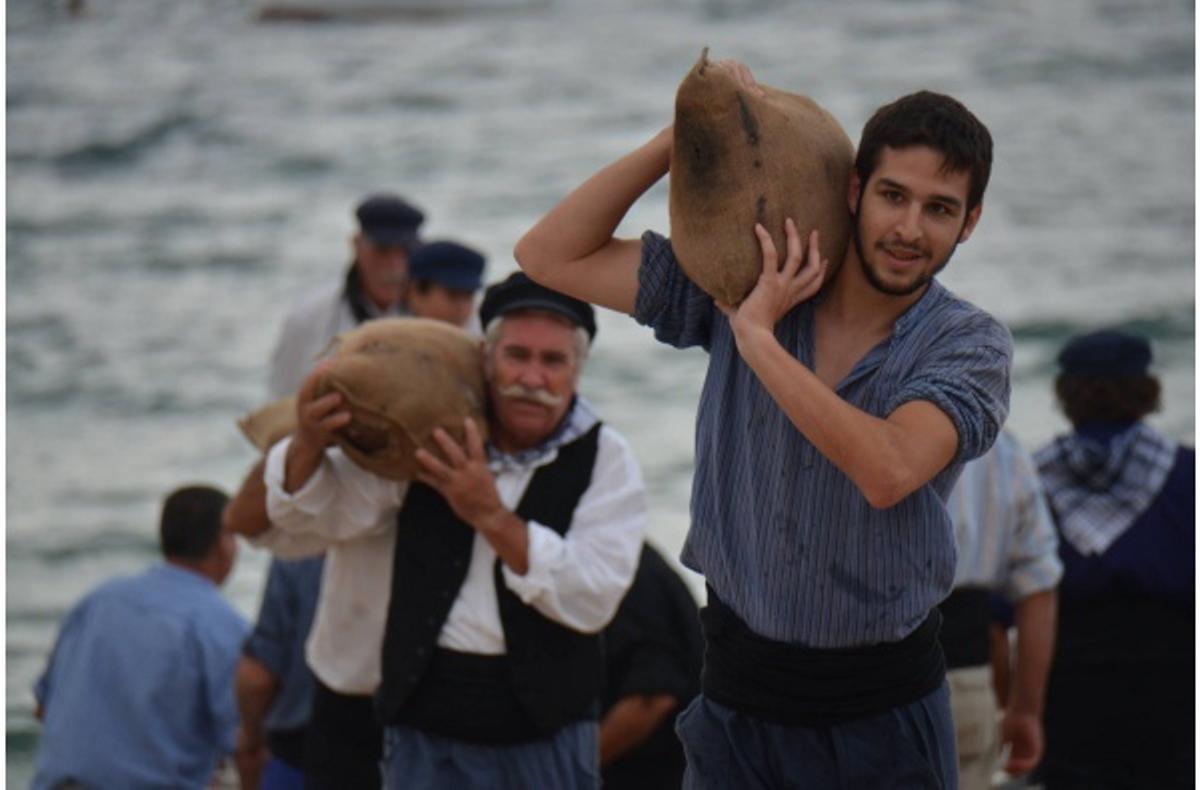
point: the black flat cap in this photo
(519, 292)
(1108, 353)
(448, 264)
(388, 220)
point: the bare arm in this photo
(572, 248)
(886, 458)
(256, 690)
(630, 721)
(246, 513)
(1022, 725)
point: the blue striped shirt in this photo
(782, 535)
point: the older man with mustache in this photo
(477, 593)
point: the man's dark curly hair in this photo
(934, 120)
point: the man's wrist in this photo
(495, 522)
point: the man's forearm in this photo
(246, 513)
(1035, 618)
(303, 459)
(887, 459)
(582, 226)
(630, 721)
(508, 535)
(256, 689)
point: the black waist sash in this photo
(966, 615)
(468, 697)
(792, 685)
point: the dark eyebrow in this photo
(948, 200)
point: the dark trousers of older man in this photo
(344, 746)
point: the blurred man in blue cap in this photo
(1123, 497)
(443, 278)
(372, 287)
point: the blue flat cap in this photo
(388, 220)
(519, 292)
(1108, 353)
(448, 264)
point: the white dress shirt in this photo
(577, 579)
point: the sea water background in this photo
(178, 174)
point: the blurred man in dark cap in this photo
(443, 277)
(491, 576)
(1119, 705)
(373, 286)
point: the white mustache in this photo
(541, 396)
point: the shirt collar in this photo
(906, 320)
(186, 575)
(918, 309)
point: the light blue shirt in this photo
(139, 689)
(783, 536)
(1002, 526)
(284, 619)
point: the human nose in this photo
(532, 376)
(908, 226)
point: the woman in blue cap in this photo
(1118, 706)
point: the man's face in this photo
(909, 218)
(531, 374)
(441, 303)
(383, 270)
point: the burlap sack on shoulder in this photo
(738, 159)
(399, 378)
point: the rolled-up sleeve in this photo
(969, 380)
(340, 502)
(1033, 562)
(271, 638)
(579, 579)
(667, 301)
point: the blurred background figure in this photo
(443, 279)
(274, 683)
(1007, 545)
(653, 652)
(1119, 708)
(372, 287)
(138, 691)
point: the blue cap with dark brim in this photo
(1108, 353)
(389, 221)
(449, 264)
(518, 292)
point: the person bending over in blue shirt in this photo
(138, 691)
(834, 419)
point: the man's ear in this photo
(971, 222)
(853, 192)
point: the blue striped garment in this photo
(782, 535)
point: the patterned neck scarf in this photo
(1098, 488)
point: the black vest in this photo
(554, 671)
